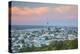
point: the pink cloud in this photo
(36, 14)
(63, 9)
(65, 12)
(29, 11)
(41, 10)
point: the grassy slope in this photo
(58, 45)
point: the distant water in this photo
(35, 27)
(22, 27)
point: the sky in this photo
(28, 13)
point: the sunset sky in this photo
(27, 13)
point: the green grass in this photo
(58, 45)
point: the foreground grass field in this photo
(57, 45)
